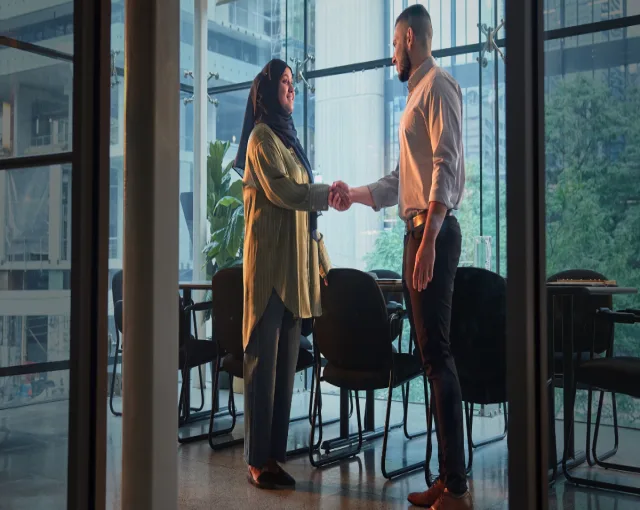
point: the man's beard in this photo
(404, 71)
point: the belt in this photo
(417, 223)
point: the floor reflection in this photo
(33, 453)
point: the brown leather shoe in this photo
(449, 501)
(429, 497)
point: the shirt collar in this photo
(421, 72)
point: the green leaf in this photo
(235, 190)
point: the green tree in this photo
(593, 193)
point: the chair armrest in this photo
(199, 307)
(623, 317)
(394, 307)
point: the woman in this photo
(282, 267)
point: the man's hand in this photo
(423, 268)
(426, 254)
(340, 196)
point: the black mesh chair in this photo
(354, 336)
(192, 353)
(394, 300)
(227, 306)
(589, 333)
(395, 305)
(117, 297)
(478, 344)
(606, 374)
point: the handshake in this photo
(340, 196)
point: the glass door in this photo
(51, 204)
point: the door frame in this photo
(89, 252)
(526, 256)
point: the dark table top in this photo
(592, 290)
(195, 285)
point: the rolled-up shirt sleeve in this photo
(445, 129)
(385, 191)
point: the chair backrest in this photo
(584, 335)
(117, 315)
(184, 324)
(478, 333)
(353, 331)
(387, 274)
(116, 287)
(227, 298)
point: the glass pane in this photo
(51, 28)
(35, 228)
(363, 22)
(34, 423)
(568, 13)
(243, 36)
(45, 86)
(35, 300)
(592, 96)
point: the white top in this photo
(431, 166)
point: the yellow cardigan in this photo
(279, 252)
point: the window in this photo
(593, 200)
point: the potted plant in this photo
(225, 212)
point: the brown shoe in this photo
(429, 497)
(450, 501)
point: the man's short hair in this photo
(417, 18)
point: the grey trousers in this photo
(270, 360)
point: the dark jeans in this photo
(270, 361)
(430, 317)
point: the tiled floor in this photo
(33, 452)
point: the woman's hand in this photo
(340, 196)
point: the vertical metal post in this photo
(526, 310)
(90, 203)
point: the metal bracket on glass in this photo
(114, 70)
(189, 74)
(298, 72)
(491, 34)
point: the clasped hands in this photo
(340, 196)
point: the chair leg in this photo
(553, 456)
(494, 439)
(598, 459)
(213, 434)
(586, 482)
(198, 409)
(405, 420)
(113, 377)
(340, 454)
(182, 415)
(469, 419)
(406, 469)
(311, 393)
(588, 438)
(429, 404)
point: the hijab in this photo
(263, 107)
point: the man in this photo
(427, 185)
